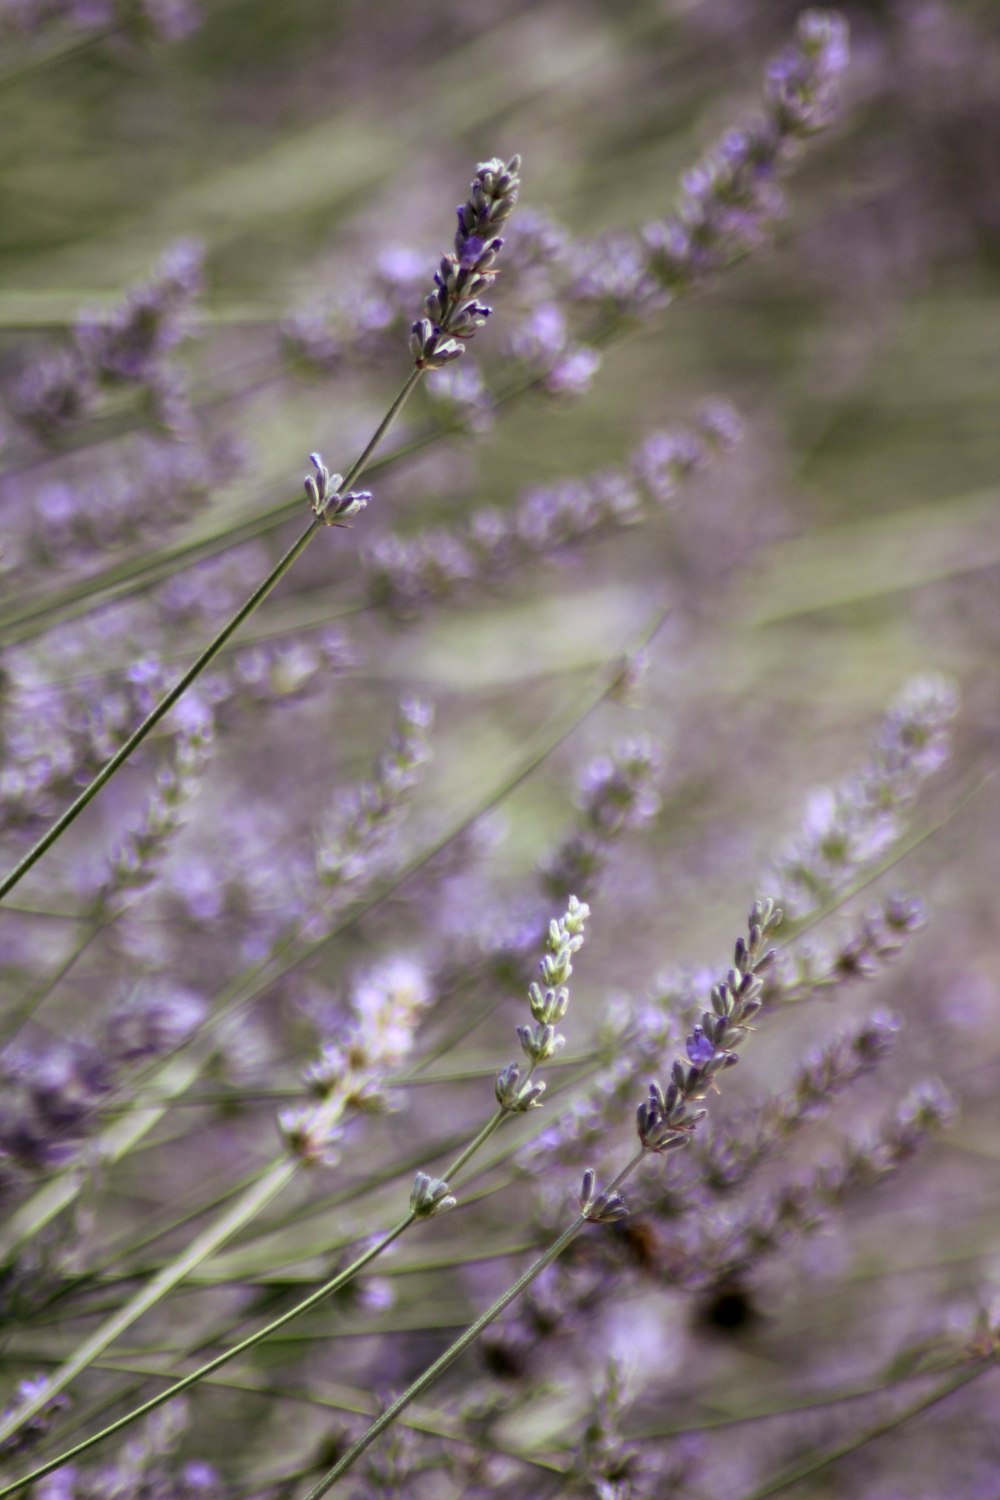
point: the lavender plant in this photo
(332, 1157)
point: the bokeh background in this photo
(850, 540)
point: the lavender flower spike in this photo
(453, 312)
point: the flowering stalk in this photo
(454, 314)
(310, 1136)
(848, 827)
(128, 347)
(727, 201)
(173, 1079)
(435, 340)
(726, 1246)
(444, 562)
(665, 1122)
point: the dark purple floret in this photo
(454, 313)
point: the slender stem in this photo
(26, 1007)
(814, 1465)
(277, 1176)
(166, 703)
(463, 1342)
(326, 1290)
(361, 462)
(268, 1186)
(206, 658)
(259, 1193)
(444, 1361)
(26, 619)
(178, 1074)
(169, 1276)
(44, 1210)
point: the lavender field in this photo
(499, 715)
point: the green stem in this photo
(326, 1290)
(27, 618)
(463, 1342)
(271, 1183)
(206, 658)
(249, 1204)
(815, 1464)
(170, 1275)
(361, 462)
(166, 703)
(23, 1011)
(178, 1074)
(492, 1125)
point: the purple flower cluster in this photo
(352, 835)
(850, 826)
(72, 525)
(132, 20)
(58, 731)
(454, 313)
(56, 736)
(732, 1153)
(665, 1120)
(542, 343)
(732, 197)
(721, 1249)
(134, 861)
(454, 562)
(366, 326)
(617, 794)
(311, 936)
(53, 1095)
(129, 347)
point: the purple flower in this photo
(699, 1049)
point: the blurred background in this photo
(300, 164)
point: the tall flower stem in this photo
(665, 1122)
(257, 1195)
(173, 1078)
(211, 651)
(463, 1342)
(320, 1295)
